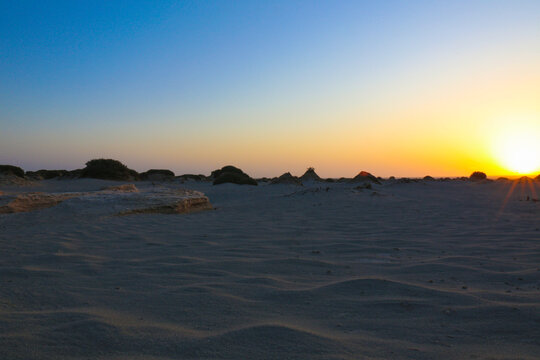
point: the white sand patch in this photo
(427, 270)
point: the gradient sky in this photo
(405, 88)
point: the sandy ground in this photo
(430, 270)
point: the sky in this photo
(402, 88)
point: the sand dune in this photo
(444, 270)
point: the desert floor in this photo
(427, 270)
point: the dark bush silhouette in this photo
(287, 178)
(11, 170)
(310, 174)
(75, 174)
(192, 177)
(231, 174)
(428, 178)
(226, 169)
(477, 176)
(537, 178)
(157, 174)
(108, 169)
(234, 178)
(365, 176)
(524, 180)
(47, 174)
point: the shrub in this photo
(11, 170)
(226, 169)
(287, 178)
(48, 174)
(477, 176)
(235, 178)
(75, 174)
(192, 177)
(108, 169)
(157, 174)
(231, 174)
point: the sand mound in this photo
(310, 174)
(34, 201)
(287, 178)
(9, 179)
(125, 188)
(366, 176)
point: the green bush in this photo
(11, 170)
(108, 169)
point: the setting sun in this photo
(519, 151)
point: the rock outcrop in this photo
(34, 201)
(120, 200)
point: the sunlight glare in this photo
(518, 150)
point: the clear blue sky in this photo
(192, 85)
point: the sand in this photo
(419, 270)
